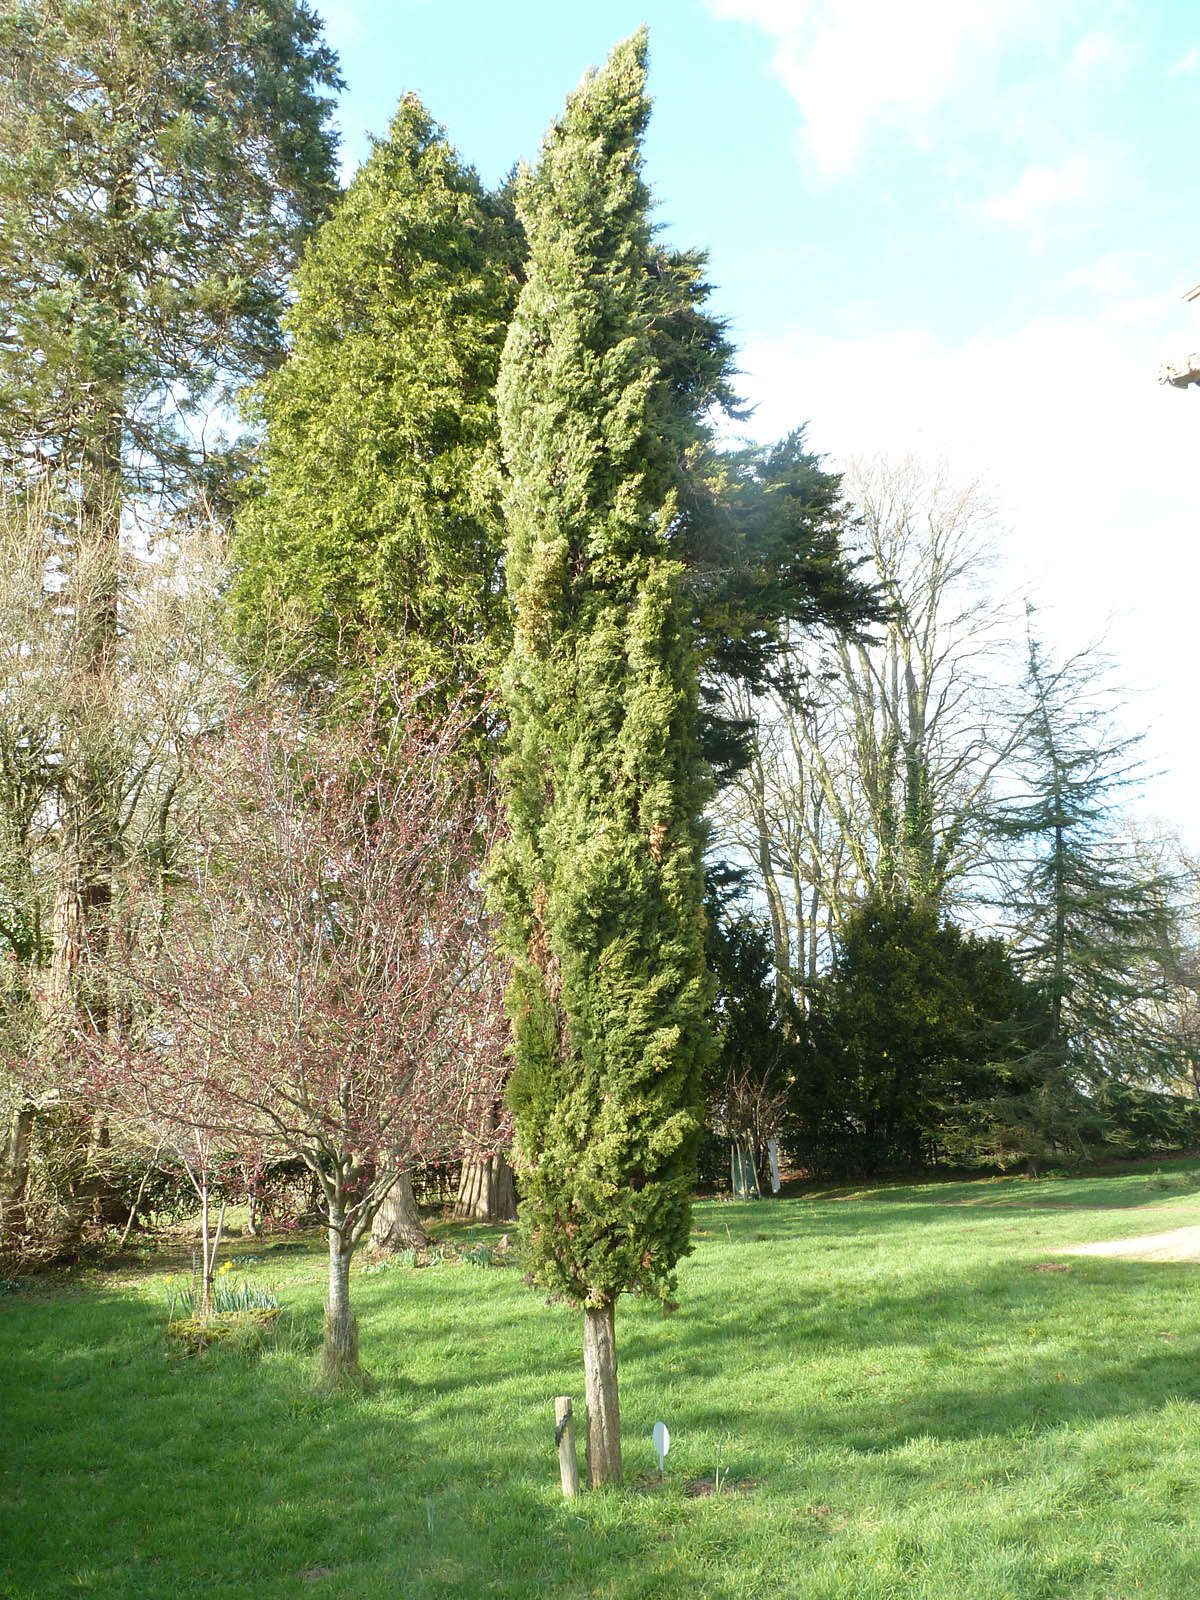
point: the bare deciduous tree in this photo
(67, 728)
(875, 781)
(320, 982)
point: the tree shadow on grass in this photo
(128, 1471)
(985, 1352)
(1123, 1190)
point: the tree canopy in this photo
(160, 164)
(375, 520)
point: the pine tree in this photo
(767, 561)
(160, 163)
(377, 520)
(1095, 922)
(602, 882)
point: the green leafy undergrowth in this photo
(905, 1393)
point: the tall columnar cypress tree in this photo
(379, 503)
(601, 882)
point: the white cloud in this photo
(851, 63)
(1041, 192)
(1090, 460)
(1098, 51)
(1187, 64)
(1111, 277)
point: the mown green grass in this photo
(920, 1413)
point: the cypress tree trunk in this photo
(603, 1408)
(339, 1355)
(397, 1224)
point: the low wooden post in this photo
(564, 1438)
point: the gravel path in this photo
(1176, 1244)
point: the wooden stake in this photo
(564, 1438)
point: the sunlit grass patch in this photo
(916, 1413)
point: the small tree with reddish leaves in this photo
(321, 982)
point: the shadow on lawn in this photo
(966, 1358)
(966, 1341)
(982, 1351)
(229, 1472)
(1121, 1191)
(884, 1215)
(166, 1476)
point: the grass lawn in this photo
(910, 1408)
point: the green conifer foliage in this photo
(1097, 919)
(160, 162)
(602, 882)
(379, 503)
(911, 1030)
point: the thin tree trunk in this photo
(137, 1200)
(780, 935)
(254, 1202)
(339, 1356)
(206, 1261)
(106, 1203)
(397, 1224)
(485, 1190)
(603, 1410)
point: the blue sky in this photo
(956, 227)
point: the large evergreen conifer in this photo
(602, 881)
(378, 507)
(161, 162)
(1096, 924)
(378, 511)
(376, 530)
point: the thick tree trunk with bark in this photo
(603, 1410)
(77, 981)
(397, 1224)
(15, 1177)
(339, 1355)
(485, 1190)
